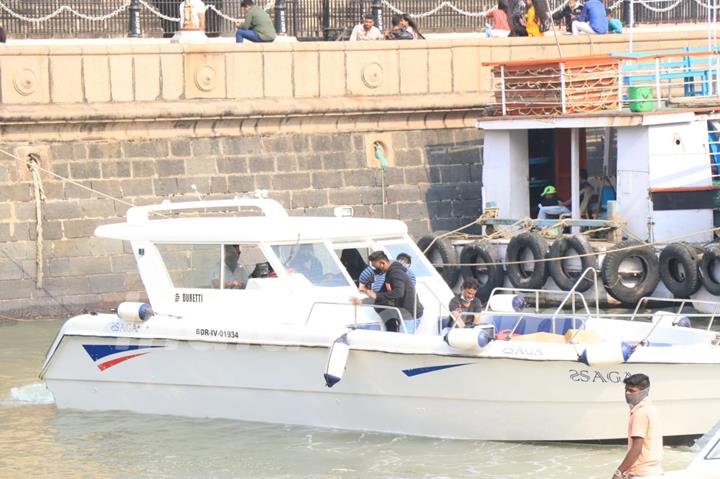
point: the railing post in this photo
(502, 89)
(134, 30)
(377, 14)
(281, 17)
(562, 86)
(326, 19)
(657, 83)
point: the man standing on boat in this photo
(645, 443)
(235, 275)
(397, 291)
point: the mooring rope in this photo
(32, 164)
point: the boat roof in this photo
(275, 226)
(254, 230)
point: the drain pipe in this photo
(383, 166)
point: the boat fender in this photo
(710, 261)
(507, 303)
(606, 353)
(571, 246)
(680, 269)
(486, 268)
(668, 319)
(530, 273)
(442, 255)
(649, 276)
(133, 312)
(337, 360)
(467, 339)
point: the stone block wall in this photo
(433, 183)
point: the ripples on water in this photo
(38, 440)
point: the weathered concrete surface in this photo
(141, 123)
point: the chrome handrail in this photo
(374, 306)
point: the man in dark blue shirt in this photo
(592, 19)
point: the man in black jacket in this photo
(397, 292)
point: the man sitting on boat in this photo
(306, 263)
(234, 275)
(466, 302)
(550, 204)
(397, 291)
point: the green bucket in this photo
(641, 98)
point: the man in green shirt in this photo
(258, 27)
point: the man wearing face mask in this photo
(645, 443)
(234, 275)
(397, 291)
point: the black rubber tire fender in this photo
(440, 248)
(479, 254)
(680, 282)
(710, 258)
(537, 246)
(569, 246)
(610, 271)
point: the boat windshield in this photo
(417, 267)
(315, 261)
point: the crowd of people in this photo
(403, 27)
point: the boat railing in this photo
(442, 307)
(573, 291)
(680, 303)
(643, 81)
(355, 315)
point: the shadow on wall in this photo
(454, 194)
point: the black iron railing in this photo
(305, 19)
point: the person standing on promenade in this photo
(366, 30)
(645, 442)
(257, 27)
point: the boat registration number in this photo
(217, 333)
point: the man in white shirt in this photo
(366, 30)
(196, 19)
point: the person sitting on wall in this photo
(466, 302)
(592, 19)
(192, 15)
(234, 276)
(550, 204)
(398, 32)
(366, 30)
(257, 27)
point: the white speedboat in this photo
(706, 464)
(288, 347)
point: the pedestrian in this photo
(517, 13)
(592, 19)
(568, 13)
(532, 25)
(500, 27)
(614, 24)
(366, 30)
(645, 442)
(257, 27)
(409, 24)
(398, 32)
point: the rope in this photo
(32, 164)
(65, 8)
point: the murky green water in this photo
(40, 441)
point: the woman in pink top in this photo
(499, 17)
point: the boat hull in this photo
(460, 397)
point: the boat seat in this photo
(532, 324)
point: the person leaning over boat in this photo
(466, 302)
(550, 204)
(397, 292)
(645, 442)
(235, 275)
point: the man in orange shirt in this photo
(644, 453)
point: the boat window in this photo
(417, 266)
(314, 261)
(199, 265)
(714, 452)
(354, 260)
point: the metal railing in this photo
(305, 19)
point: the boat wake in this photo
(36, 393)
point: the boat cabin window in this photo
(417, 266)
(219, 266)
(314, 261)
